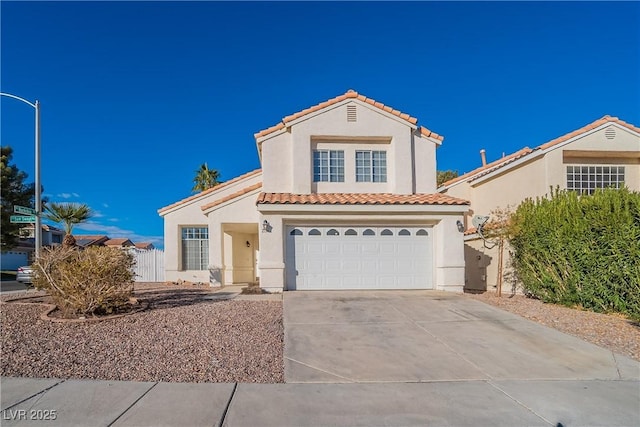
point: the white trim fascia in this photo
(534, 155)
(428, 138)
(381, 209)
(231, 201)
(587, 133)
(198, 199)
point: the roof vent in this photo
(351, 113)
(610, 132)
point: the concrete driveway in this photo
(417, 336)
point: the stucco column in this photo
(271, 262)
(449, 255)
(215, 253)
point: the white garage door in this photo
(359, 258)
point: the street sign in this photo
(20, 219)
(23, 210)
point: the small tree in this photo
(205, 178)
(444, 176)
(68, 214)
(14, 192)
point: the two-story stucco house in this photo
(601, 154)
(345, 199)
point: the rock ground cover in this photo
(611, 331)
(184, 337)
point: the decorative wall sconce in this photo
(266, 227)
(248, 244)
(460, 226)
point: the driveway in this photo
(418, 336)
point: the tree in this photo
(68, 214)
(444, 176)
(205, 178)
(14, 192)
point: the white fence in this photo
(149, 265)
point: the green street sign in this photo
(24, 210)
(20, 219)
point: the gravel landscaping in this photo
(184, 337)
(611, 331)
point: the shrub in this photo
(97, 280)
(581, 250)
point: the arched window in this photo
(368, 232)
(314, 232)
(422, 232)
(351, 232)
(404, 232)
(386, 232)
(333, 232)
(296, 232)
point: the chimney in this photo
(483, 156)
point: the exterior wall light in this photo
(460, 226)
(248, 244)
(266, 227)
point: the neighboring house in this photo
(145, 246)
(51, 236)
(601, 154)
(24, 252)
(346, 199)
(84, 240)
(119, 243)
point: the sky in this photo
(136, 95)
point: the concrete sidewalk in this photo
(51, 402)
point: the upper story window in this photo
(328, 166)
(586, 179)
(371, 166)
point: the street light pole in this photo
(38, 196)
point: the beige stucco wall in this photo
(287, 158)
(190, 214)
(448, 259)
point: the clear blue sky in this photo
(135, 96)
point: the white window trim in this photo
(332, 171)
(371, 172)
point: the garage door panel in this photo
(389, 257)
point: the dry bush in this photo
(94, 281)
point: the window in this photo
(586, 179)
(328, 166)
(386, 232)
(296, 232)
(368, 232)
(195, 248)
(422, 233)
(404, 232)
(371, 166)
(350, 232)
(333, 232)
(56, 238)
(314, 232)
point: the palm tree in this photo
(68, 214)
(205, 178)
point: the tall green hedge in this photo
(580, 250)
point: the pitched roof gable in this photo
(209, 190)
(497, 164)
(359, 199)
(242, 192)
(350, 94)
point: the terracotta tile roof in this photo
(590, 126)
(210, 190)
(118, 242)
(359, 199)
(350, 94)
(144, 245)
(426, 132)
(490, 167)
(245, 190)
